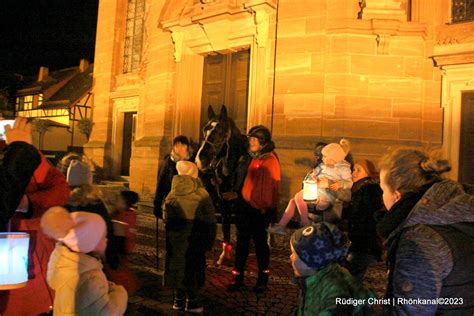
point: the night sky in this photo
(52, 33)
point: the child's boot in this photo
(262, 281)
(193, 306)
(179, 300)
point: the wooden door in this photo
(466, 146)
(239, 88)
(129, 122)
(213, 85)
(225, 81)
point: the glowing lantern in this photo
(310, 189)
(13, 260)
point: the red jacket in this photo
(47, 188)
(130, 217)
(262, 182)
(123, 275)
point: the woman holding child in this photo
(366, 201)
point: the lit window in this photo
(462, 11)
(133, 35)
(37, 100)
(19, 104)
(27, 102)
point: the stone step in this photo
(122, 183)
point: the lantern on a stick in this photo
(310, 189)
(13, 260)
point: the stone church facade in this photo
(381, 73)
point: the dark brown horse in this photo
(222, 147)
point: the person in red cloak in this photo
(47, 188)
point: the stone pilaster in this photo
(383, 9)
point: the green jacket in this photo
(190, 231)
(320, 290)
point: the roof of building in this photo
(53, 78)
(66, 86)
(76, 88)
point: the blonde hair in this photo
(85, 194)
(409, 169)
(346, 145)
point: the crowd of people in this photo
(77, 259)
(403, 212)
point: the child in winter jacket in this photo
(190, 232)
(333, 174)
(124, 220)
(75, 268)
(315, 253)
(87, 198)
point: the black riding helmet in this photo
(261, 133)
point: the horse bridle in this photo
(217, 148)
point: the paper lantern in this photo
(13, 260)
(310, 189)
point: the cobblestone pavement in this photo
(279, 299)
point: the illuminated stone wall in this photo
(370, 79)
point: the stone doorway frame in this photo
(456, 79)
(121, 105)
(217, 30)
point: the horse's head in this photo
(216, 133)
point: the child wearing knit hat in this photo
(75, 268)
(316, 251)
(85, 197)
(333, 174)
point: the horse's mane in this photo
(233, 127)
(236, 142)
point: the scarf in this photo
(263, 153)
(399, 211)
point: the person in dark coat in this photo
(366, 201)
(429, 232)
(190, 223)
(167, 170)
(19, 162)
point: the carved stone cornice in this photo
(187, 12)
(454, 44)
(216, 26)
(449, 34)
(453, 59)
(378, 27)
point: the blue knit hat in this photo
(320, 244)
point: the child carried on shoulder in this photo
(332, 174)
